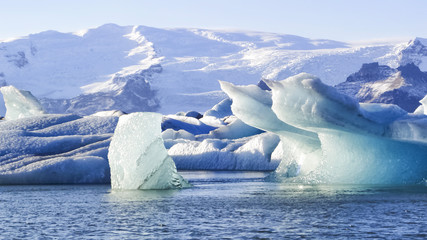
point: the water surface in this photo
(229, 205)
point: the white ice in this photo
(189, 124)
(20, 103)
(220, 110)
(137, 156)
(234, 129)
(422, 109)
(328, 137)
(249, 153)
(230, 145)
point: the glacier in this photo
(328, 137)
(137, 156)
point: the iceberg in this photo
(220, 110)
(234, 129)
(70, 149)
(328, 137)
(248, 153)
(55, 149)
(170, 134)
(189, 124)
(20, 103)
(137, 156)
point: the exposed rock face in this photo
(18, 59)
(135, 95)
(371, 72)
(404, 86)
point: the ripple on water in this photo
(221, 205)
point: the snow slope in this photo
(139, 68)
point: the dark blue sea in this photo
(221, 205)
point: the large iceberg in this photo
(20, 103)
(54, 149)
(328, 137)
(137, 156)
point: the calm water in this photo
(226, 205)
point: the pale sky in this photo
(343, 20)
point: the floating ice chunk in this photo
(189, 124)
(235, 129)
(250, 153)
(375, 144)
(77, 169)
(137, 156)
(55, 149)
(116, 113)
(172, 134)
(20, 103)
(252, 105)
(220, 110)
(212, 121)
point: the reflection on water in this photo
(138, 195)
(220, 205)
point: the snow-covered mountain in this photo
(139, 68)
(404, 86)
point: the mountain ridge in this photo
(404, 86)
(59, 67)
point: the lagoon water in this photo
(221, 205)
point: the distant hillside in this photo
(139, 68)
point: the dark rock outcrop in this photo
(135, 95)
(404, 86)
